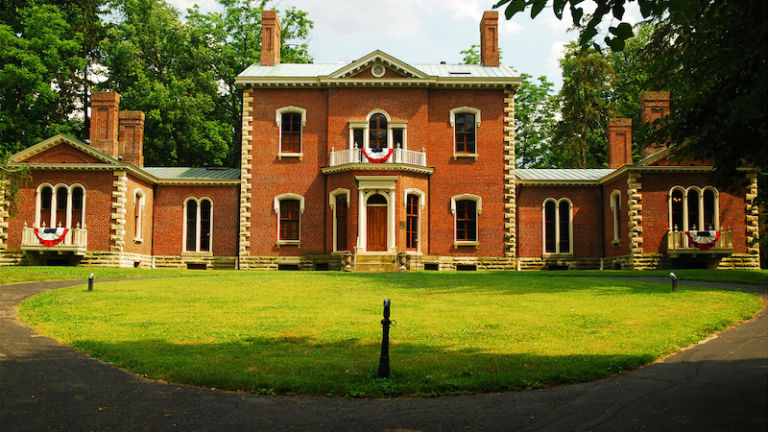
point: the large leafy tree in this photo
(580, 137)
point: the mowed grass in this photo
(320, 332)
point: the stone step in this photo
(376, 264)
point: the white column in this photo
(69, 208)
(38, 207)
(361, 232)
(391, 223)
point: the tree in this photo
(580, 137)
(535, 109)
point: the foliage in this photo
(471, 55)
(580, 137)
(455, 333)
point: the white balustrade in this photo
(398, 156)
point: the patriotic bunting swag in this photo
(51, 236)
(374, 154)
(703, 239)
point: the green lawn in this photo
(319, 332)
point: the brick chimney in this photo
(131, 144)
(270, 38)
(103, 133)
(619, 142)
(489, 38)
(654, 105)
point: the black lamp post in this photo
(384, 359)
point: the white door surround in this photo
(372, 185)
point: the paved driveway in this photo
(720, 385)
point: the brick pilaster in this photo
(635, 202)
(119, 201)
(245, 175)
(510, 238)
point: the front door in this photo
(377, 228)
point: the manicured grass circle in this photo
(320, 333)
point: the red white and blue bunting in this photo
(51, 236)
(375, 154)
(703, 239)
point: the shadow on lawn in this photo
(301, 365)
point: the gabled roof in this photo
(287, 74)
(58, 140)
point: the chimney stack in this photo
(270, 38)
(654, 105)
(489, 38)
(131, 143)
(619, 142)
(104, 111)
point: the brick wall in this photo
(62, 153)
(132, 243)
(622, 247)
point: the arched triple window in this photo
(557, 227)
(60, 205)
(198, 223)
(465, 209)
(289, 208)
(694, 208)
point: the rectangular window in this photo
(397, 138)
(465, 133)
(290, 139)
(357, 138)
(412, 222)
(565, 230)
(289, 220)
(466, 220)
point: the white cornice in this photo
(377, 167)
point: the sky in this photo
(426, 31)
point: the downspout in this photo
(602, 224)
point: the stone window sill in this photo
(298, 156)
(196, 254)
(458, 244)
(296, 243)
(465, 155)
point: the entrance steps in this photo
(376, 264)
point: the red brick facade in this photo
(314, 191)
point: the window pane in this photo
(693, 210)
(191, 222)
(565, 227)
(709, 209)
(290, 139)
(412, 219)
(397, 137)
(550, 244)
(357, 137)
(77, 206)
(341, 222)
(61, 206)
(46, 196)
(466, 220)
(465, 133)
(289, 220)
(677, 210)
(617, 214)
(377, 131)
(205, 226)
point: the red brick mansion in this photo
(374, 165)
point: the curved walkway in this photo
(720, 385)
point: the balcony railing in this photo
(682, 243)
(358, 156)
(75, 241)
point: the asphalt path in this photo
(718, 385)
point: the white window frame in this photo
(197, 227)
(276, 208)
(616, 210)
(365, 126)
(278, 121)
(452, 120)
(558, 251)
(687, 225)
(478, 208)
(332, 202)
(422, 204)
(54, 205)
(139, 199)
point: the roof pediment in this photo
(378, 58)
(91, 154)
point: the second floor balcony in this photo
(377, 156)
(690, 243)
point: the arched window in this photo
(60, 205)
(616, 210)
(290, 121)
(465, 209)
(411, 221)
(377, 131)
(694, 208)
(62, 195)
(198, 220)
(465, 121)
(339, 202)
(78, 205)
(289, 208)
(557, 218)
(45, 209)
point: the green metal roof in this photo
(186, 173)
(567, 174)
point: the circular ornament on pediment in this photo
(378, 70)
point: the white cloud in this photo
(556, 52)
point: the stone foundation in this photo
(306, 262)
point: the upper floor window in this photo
(693, 208)
(60, 206)
(378, 133)
(465, 209)
(198, 221)
(557, 226)
(289, 208)
(291, 121)
(616, 211)
(465, 121)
